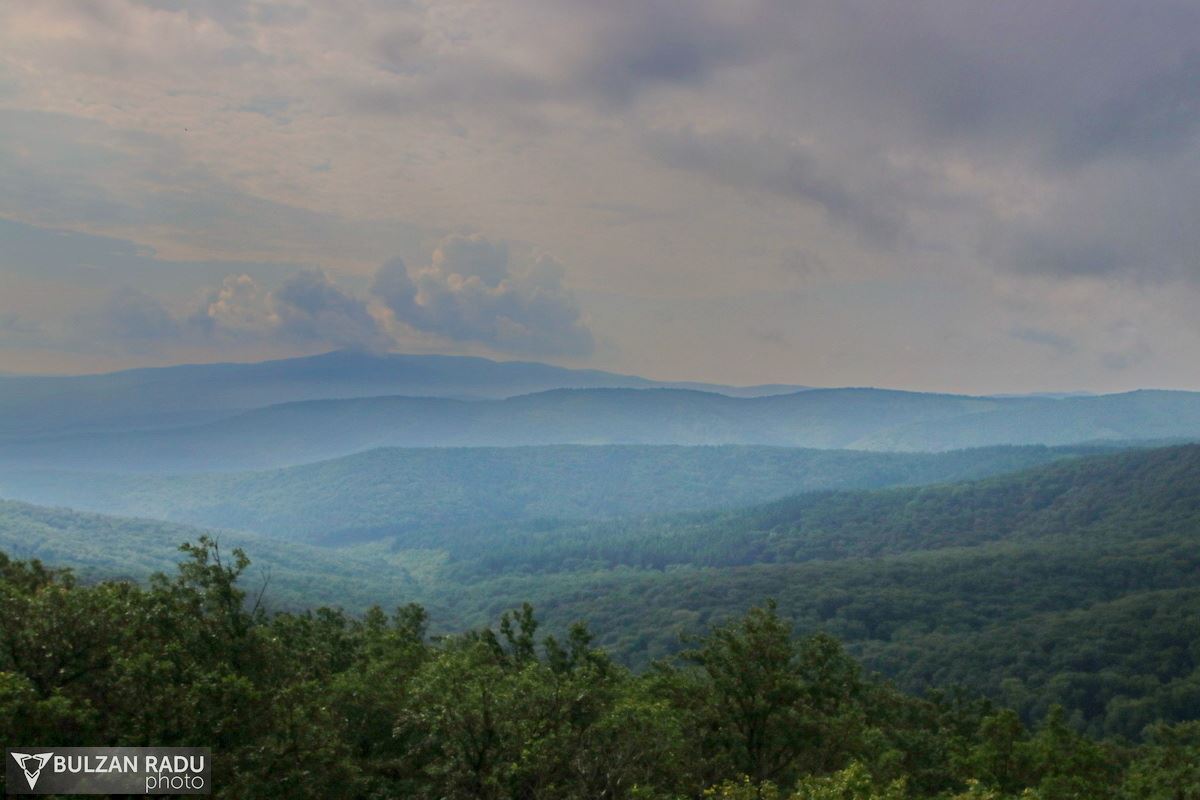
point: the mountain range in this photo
(190, 393)
(864, 419)
(273, 414)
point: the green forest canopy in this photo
(324, 705)
(1075, 583)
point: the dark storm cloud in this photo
(1093, 105)
(637, 45)
(1032, 161)
(602, 55)
(1157, 116)
(860, 109)
(791, 170)
(1059, 80)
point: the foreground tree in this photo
(326, 705)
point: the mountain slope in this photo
(299, 575)
(1119, 497)
(389, 491)
(1076, 582)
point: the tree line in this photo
(327, 704)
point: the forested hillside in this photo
(386, 492)
(1102, 499)
(1076, 582)
(931, 585)
(323, 705)
(297, 575)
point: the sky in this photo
(944, 196)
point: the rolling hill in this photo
(388, 491)
(1075, 582)
(299, 576)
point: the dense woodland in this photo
(324, 705)
(391, 491)
(1073, 584)
(939, 541)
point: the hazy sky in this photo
(961, 196)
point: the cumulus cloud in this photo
(311, 307)
(306, 310)
(238, 305)
(470, 292)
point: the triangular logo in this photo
(25, 761)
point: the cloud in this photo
(1156, 115)
(874, 209)
(1116, 221)
(18, 331)
(470, 293)
(309, 307)
(130, 319)
(269, 107)
(918, 125)
(238, 305)
(675, 155)
(1044, 338)
(633, 45)
(308, 310)
(1126, 346)
(76, 174)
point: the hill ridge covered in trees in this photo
(390, 490)
(1072, 583)
(324, 705)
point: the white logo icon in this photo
(23, 760)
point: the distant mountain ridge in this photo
(232, 417)
(156, 397)
(863, 419)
